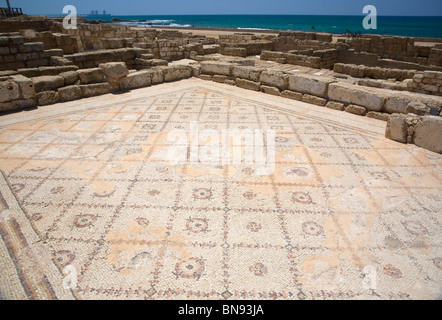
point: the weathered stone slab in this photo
(26, 86)
(292, 95)
(275, 79)
(215, 67)
(69, 93)
(48, 82)
(70, 77)
(428, 133)
(9, 90)
(137, 79)
(173, 73)
(378, 115)
(270, 90)
(314, 100)
(352, 94)
(95, 89)
(245, 72)
(247, 84)
(335, 105)
(47, 97)
(114, 69)
(92, 75)
(360, 111)
(316, 86)
(397, 128)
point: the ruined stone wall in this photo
(398, 48)
(429, 82)
(16, 54)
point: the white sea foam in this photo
(252, 28)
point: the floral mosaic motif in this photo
(258, 269)
(142, 221)
(202, 194)
(197, 225)
(37, 216)
(312, 228)
(296, 172)
(326, 155)
(153, 192)
(254, 226)
(248, 171)
(105, 194)
(17, 187)
(162, 169)
(379, 175)
(302, 197)
(249, 195)
(65, 257)
(148, 126)
(57, 190)
(438, 262)
(84, 220)
(391, 271)
(415, 228)
(192, 268)
(351, 140)
(316, 139)
(281, 139)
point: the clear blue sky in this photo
(170, 7)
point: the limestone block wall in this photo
(16, 54)
(398, 48)
(363, 71)
(429, 82)
(16, 92)
(93, 58)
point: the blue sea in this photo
(399, 26)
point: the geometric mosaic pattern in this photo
(347, 214)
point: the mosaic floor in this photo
(89, 209)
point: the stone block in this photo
(352, 94)
(173, 73)
(275, 79)
(220, 78)
(291, 95)
(30, 47)
(206, 77)
(48, 82)
(215, 67)
(360, 111)
(418, 108)
(335, 105)
(89, 90)
(137, 79)
(378, 115)
(270, 90)
(114, 70)
(70, 77)
(245, 72)
(69, 93)
(307, 98)
(47, 97)
(316, 86)
(26, 86)
(16, 105)
(9, 90)
(397, 129)
(428, 133)
(92, 75)
(247, 84)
